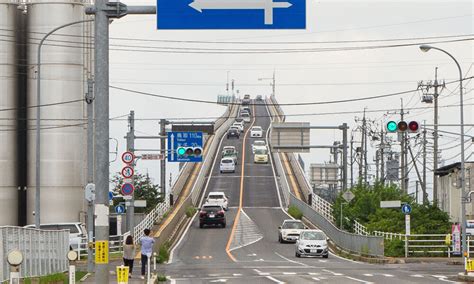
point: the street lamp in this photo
(426, 48)
(271, 84)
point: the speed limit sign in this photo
(127, 172)
(127, 157)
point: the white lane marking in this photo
(323, 260)
(219, 280)
(417, 275)
(172, 281)
(213, 275)
(333, 273)
(289, 273)
(275, 280)
(282, 267)
(261, 273)
(200, 202)
(314, 273)
(290, 260)
(261, 207)
(368, 275)
(347, 259)
(260, 260)
(358, 280)
(443, 278)
(236, 274)
(252, 254)
(387, 275)
(316, 279)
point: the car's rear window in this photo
(293, 225)
(216, 196)
(245, 114)
(211, 208)
(319, 236)
(260, 151)
(227, 161)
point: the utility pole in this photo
(423, 186)
(403, 153)
(344, 156)
(131, 148)
(90, 171)
(428, 86)
(424, 158)
(352, 160)
(163, 123)
(382, 153)
(364, 147)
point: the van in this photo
(77, 232)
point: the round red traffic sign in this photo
(127, 172)
(128, 157)
(127, 189)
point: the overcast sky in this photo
(301, 76)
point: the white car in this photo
(239, 125)
(227, 165)
(245, 116)
(312, 243)
(236, 128)
(256, 131)
(218, 197)
(258, 143)
(290, 230)
(260, 155)
(77, 232)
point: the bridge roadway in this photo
(247, 250)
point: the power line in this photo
(43, 105)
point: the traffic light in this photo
(402, 126)
(189, 151)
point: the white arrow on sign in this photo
(266, 5)
(172, 146)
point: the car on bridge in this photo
(219, 198)
(235, 127)
(259, 98)
(230, 152)
(239, 125)
(227, 165)
(260, 155)
(290, 230)
(258, 143)
(312, 243)
(212, 214)
(245, 116)
(256, 131)
(233, 133)
(246, 109)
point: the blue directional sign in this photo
(231, 14)
(119, 209)
(406, 209)
(185, 146)
(111, 195)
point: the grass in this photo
(295, 212)
(163, 253)
(190, 211)
(161, 278)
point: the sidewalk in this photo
(113, 275)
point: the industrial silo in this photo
(63, 148)
(8, 186)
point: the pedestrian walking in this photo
(129, 254)
(146, 250)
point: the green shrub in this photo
(161, 278)
(190, 211)
(163, 253)
(394, 248)
(295, 212)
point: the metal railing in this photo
(147, 223)
(365, 245)
(115, 245)
(388, 235)
(322, 206)
(44, 252)
(360, 229)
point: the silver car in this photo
(312, 243)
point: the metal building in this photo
(63, 136)
(8, 180)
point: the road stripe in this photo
(289, 273)
(290, 260)
(333, 273)
(237, 217)
(316, 279)
(443, 278)
(358, 280)
(275, 280)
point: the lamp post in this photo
(426, 48)
(271, 84)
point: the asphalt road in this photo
(247, 250)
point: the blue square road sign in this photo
(185, 146)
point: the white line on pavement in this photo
(275, 280)
(358, 280)
(443, 278)
(261, 273)
(289, 273)
(333, 273)
(290, 260)
(316, 279)
(417, 275)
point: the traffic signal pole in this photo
(130, 206)
(163, 161)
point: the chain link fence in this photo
(44, 252)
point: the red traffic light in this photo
(413, 126)
(402, 126)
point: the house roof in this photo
(449, 168)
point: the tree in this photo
(145, 189)
(365, 208)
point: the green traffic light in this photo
(391, 126)
(181, 151)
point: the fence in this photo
(322, 206)
(44, 252)
(366, 245)
(115, 245)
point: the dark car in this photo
(212, 214)
(233, 133)
(259, 98)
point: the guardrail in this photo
(322, 207)
(115, 245)
(364, 245)
(157, 213)
(44, 252)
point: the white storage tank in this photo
(63, 146)
(8, 187)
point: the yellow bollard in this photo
(470, 265)
(122, 274)
(447, 240)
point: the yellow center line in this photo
(242, 174)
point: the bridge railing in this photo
(44, 252)
(322, 206)
(365, 245)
